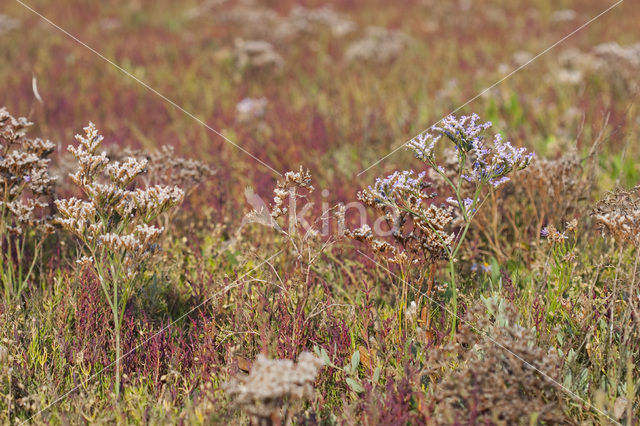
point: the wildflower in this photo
(473, 164)
(466, 203)
(619, 215)
(563, 15)
(7, 24)
(85, 261)
(483, 267)
(553, 235)
(287, 187)
(569, 257)
(402, 199)
(488, 163)
(379, 46)
(302, 19)
(412, 311)
(25, 189)
(113, 222)
(272, 385)
(250, 108)
(397, 184)
(257, 55)
(163, 167)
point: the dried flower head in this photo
(498, 377)
(288, 189)
(619, 215)
(250, 109)
(25, 183)
(114, 215)
(306, 20)
(419, 228)
(114, 222)
(164, 167)
(553, 235)
(256, 22)
(379, 45)
(7, 23)
(273, 385)
(256, 55)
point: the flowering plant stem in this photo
(468, 211)
(479, 164)
(14, 277)
(117, 302)
(113, 225)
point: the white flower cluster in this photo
(113, 215)
(7, 23)
(272, 383)
(286, 188)
(24, 175)
(257, 55)
(257, 22)
(379, 45)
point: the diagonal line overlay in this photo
(96, 374)
(146, 86)
(500, 345)
(497, 82)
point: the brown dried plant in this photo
(284, 215)
(291, 215)
(500, 376)
(549, 191)
(164, 167)
(25, 191)
(272, 392)
(618, 214)
(115, 223)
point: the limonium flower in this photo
(474, 163)
(387, 189)
(467, 202)
(480, 162)
(553, 235)
(114, 222)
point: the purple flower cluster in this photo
(423, 146)
(397, 185)
(552, 233)
(488, 163)
(483, 267)
(464, 132)
(491, 165)
(467, 202)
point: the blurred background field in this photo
(343, 82)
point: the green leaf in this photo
(325, 357)
(355, 386)
(355, 361)
(376, 375)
